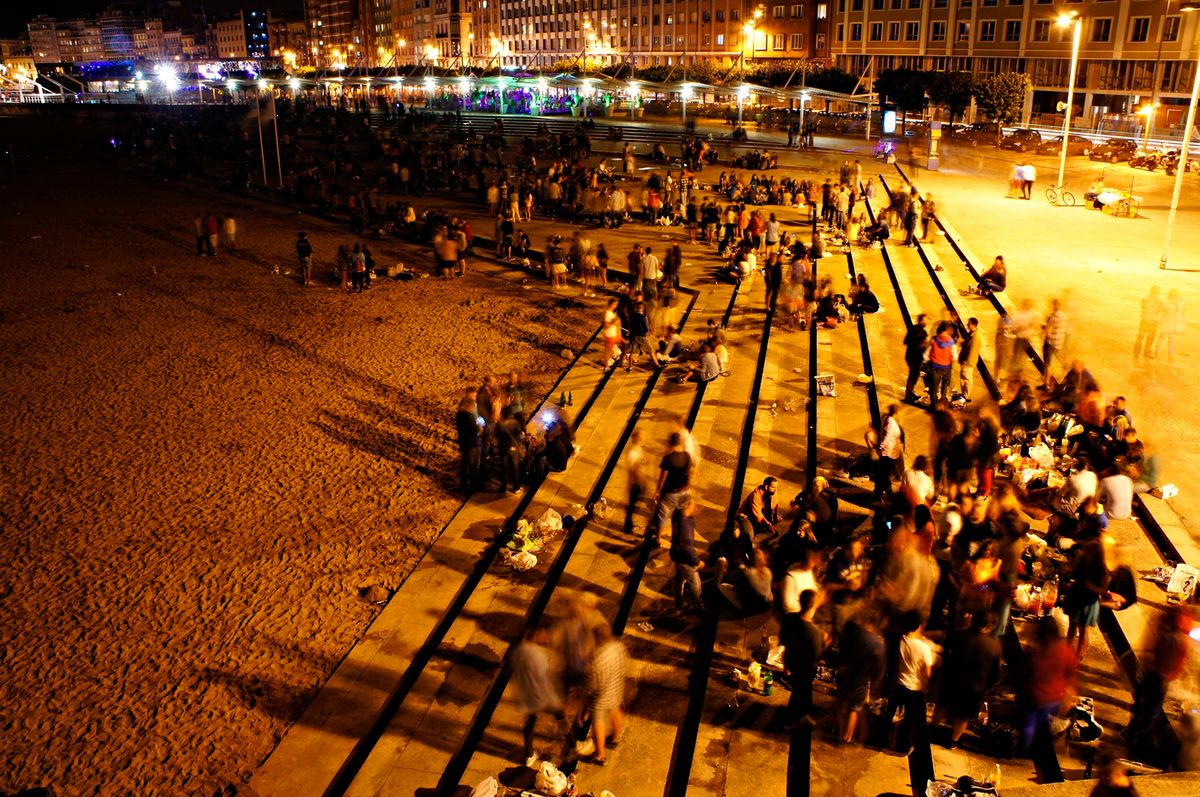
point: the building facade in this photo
(1133, 53)
(334, 32)
(730, 33)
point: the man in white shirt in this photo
(890, 446)
(1028, 175)
(1116, 493)
(1081, 485)
(917, 657)
(651, 274)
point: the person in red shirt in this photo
(1050, 680)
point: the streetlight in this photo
(685, 94)
(743, 93)
(1183, 148)
(1148, 112)
(1076, 22)
(747, 41)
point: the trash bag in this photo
(488, 787)
(550, 780)
(1042, 455)
(549, 523)
(523, 560)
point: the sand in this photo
(205, 464)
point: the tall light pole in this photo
(743, 93)
(1073, 19)
(1183, 148)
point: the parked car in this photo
(1114, 150)
(1021, 139)
(1076, 145)
(974, 134)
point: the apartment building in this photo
(55, 41)
(538, 33)
(1132, 52)
(246, 35)
(334, 32)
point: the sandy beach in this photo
(206, 464)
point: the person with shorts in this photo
(861, 672)
(639, 331)
(606, 691)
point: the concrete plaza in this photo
(444, 637)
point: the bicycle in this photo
(1059, 195)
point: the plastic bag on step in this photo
(488, 787)
(549, 523)
(523, 560)
(550, 780)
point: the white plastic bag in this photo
(550, 780)
(486, 788)
(1042, 455)
(523, 560)
(549, 523)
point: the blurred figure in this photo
(1054, 338)
(1112, 777)
(1165, 664)
(635, 472)
(1049, 680)
(1172, 324)
(861, 672)
(1004, 344)
(972, 667)
(803, 643)
(683, 555)
(537, 690)
(468, 425)
(1144, 344)
(606, 691)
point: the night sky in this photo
(13, 15)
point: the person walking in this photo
(890, 447)
(537, 689)
(674, 482)
(1153, 310)
(683, 555)
(916, 342)
(635, 475)
(229, 228)
(198, 231)
(304, 252)
(211, 230)
(606, 691)
(467, 423)
(1054, 337)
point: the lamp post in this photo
(1073, 19)
(743, 93)
(1183, 149)
(1148, 112)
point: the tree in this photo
(904, 88)
(831, 79)
(1001, 97)
(952, 90)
